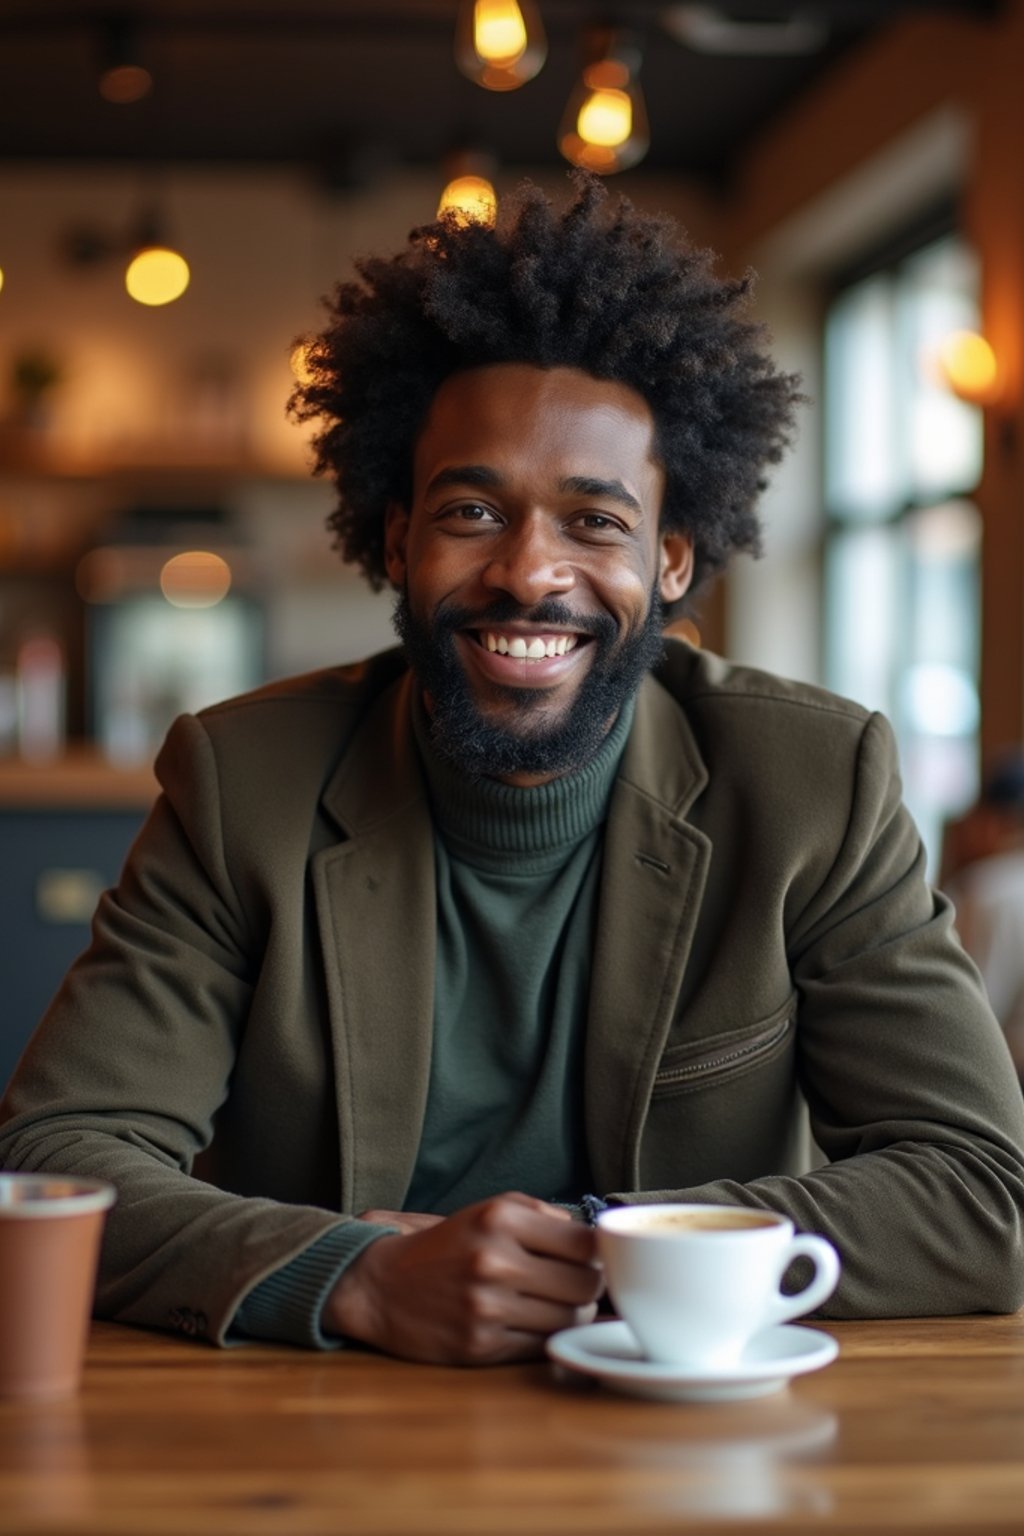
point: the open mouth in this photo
(537, 646)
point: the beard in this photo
(523, 740)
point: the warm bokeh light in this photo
(500, 44)
(967, 365)
(100, 576)
(195, 579)
(299, 361)
(471, 198)
(1, 278)
(604, 127)
(605, 119)
(499, 31)
(157, 276)
(125, 83)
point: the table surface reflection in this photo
(918, 1426)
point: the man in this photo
(416, 961)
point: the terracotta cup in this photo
(50, 1230)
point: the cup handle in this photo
(818, 1289)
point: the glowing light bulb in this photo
(604, 126)
(499, 31)
(195, 579)
(299, 361)
(125, 83)
(968, 366)
(157, 276)
(499, 43)
(1, 278)
(605, 119)
(471, 198)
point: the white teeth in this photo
(532, 650)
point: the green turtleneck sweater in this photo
(517, 885)
(517, 875)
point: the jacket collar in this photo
(379, 774)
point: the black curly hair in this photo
(599, 286)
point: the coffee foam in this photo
(669, 1223)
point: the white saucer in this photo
(611, 1353)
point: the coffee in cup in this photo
(50, 1230)
(695, 1283)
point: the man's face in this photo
(531, 565)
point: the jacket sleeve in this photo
(909, 1085)
(125, 1075)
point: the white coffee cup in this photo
(695, 1283)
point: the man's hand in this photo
(488, 1284)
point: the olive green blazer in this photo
(244, 1049)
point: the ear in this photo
(675, 566)
(396, 532)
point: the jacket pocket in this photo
(714, 1058)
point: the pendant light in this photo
(966, 365)
(499, 44)
(156, 273)
(469, 191)
(123, 77)
(604, 127)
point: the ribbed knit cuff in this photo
(285, 1307)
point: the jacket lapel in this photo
(376, 908)
(653, 875)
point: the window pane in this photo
(862, 609)
(902, 555)
(863, 476)
(938, 295)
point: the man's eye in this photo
(472, 512)
(600, 522)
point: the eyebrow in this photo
(575, 485)
(605, 490)
(466, 474)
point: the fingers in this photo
(528, 1314)
(538, 1227)
(506, 1267)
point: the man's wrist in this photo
(287, 1305)
(351, 1307)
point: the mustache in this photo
(504, 610)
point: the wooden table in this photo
(918, 1426)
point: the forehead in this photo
(554, 422)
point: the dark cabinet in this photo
(54, 862)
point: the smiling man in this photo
(417, 962)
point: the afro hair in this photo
(599, 286)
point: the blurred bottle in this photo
(40, 687)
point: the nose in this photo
(529, 562)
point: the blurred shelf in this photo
(25, 453)
(80, 778)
